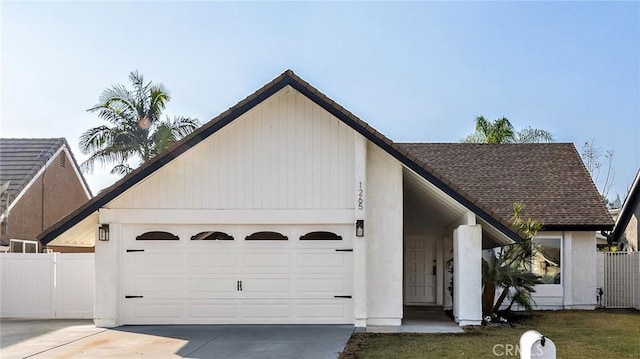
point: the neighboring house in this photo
(287, 208)
(625, 232)
(41, 183)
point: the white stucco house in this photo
(287, 208)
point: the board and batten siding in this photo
(285, 153)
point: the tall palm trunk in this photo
(488, 295)
(503, 296)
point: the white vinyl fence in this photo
(619, 279)
(47, 285)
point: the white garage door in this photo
(188, 281)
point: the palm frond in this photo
(121, 169)
(95, 139)
(158, 98)
(183, 126)
(534, 135)
(498, 131)
(106, 156)
(475, 137)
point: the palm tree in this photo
(134, 130)
(502, 131)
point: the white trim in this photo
(554, 290)
(565, 269)
(212, 216)
(439, 270)
(62, 148)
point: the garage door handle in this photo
(344, 250)
(342, 296)
(135, 250)
(133, 296)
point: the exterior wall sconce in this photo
(103, 232)
(360, 228)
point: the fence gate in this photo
(618, 280)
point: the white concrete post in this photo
(384, 233)
(467, 272)
(567, 282)
(360, 243)
(107, 274)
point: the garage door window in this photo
(212, 236)
(157, 236)
(266, 236)
(321, 236)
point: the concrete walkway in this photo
(80, 339)
(421, 319)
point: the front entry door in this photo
(420, 270)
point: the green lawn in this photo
(577, 334)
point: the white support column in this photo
(107, 284)
(565, 267)
(440, 287)
(447, 252)
(467, 272)
(359, 243)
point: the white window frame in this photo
(24, 244)
(552, 290)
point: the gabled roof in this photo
(21, 159)
(399, 151)
(550, 179)
(630, 204)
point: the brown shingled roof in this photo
(549, 178)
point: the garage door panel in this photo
(321, 287)
(142, 311)
(216, 312)
(324, 262)
(212, 259)
(156, 287)
(275, 311)
(320, 258)
(266, 288)
(149, 259)
(198, 288)
(252, 261)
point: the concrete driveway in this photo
(81, 339)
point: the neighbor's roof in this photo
(628, 208)
(288, 78)
(550, 179)
(22, 158)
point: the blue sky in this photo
(416, 71)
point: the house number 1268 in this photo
(360, 197)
